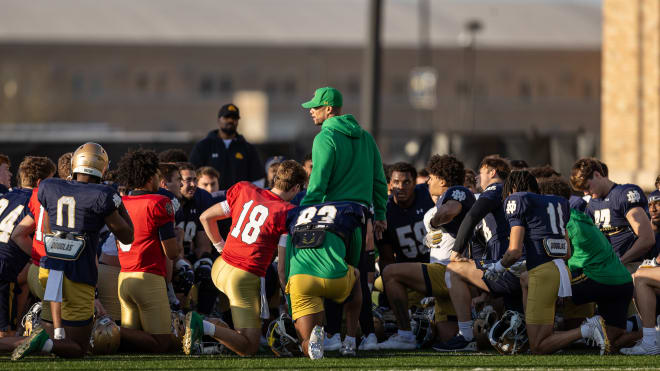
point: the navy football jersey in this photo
(191, 210)
(340, 217)
(462, 195)
(78, 208)
(609, 214)
(13, 208)
(494, 225)
(3, 189)
(544, 218)
(578, 203)
(405, 228)
(178, 211)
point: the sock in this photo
(406, 334)
(649, 335)
(465, 329)
(48, 346)
(349, 340)
(209, 328)
(585, 331)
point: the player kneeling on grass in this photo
(538, 223)
(145, 309)
(258, 223)
(454, 202)
(597, 274)
(318, 262)
(76, 210)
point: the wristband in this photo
(59, 334)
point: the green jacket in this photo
(346, 166)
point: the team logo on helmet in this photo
(90, 159)
(282, 338)
(105, 336)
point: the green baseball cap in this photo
(326, 96)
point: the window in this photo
(206, 86)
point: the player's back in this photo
(544, 218)
(148, 212)
(13, 208)
(79, 208)
(258, 220)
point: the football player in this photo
(647, 283)
(489, 213)
(403, 240)
(258, 221)
(16, 243)
(538, 222)
(446, 178)
(597, 274)
(75, 212)
(196, 244)
(318, 262)
(145, 314)
(619, 210)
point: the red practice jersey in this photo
(148, 212)
(258, 220)
(38, 249)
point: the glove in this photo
(518, 268)
(494, 270)
(433, 239)
(202, 269)
(649, 263)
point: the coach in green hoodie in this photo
(345, 157)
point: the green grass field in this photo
(374, 360)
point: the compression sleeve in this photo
(477, 212)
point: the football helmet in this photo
(485, 320)
(30, 321)
(90, 159)
(384, 322)
(183, 277)
(282, 338)
(105, 336)
(509, 334)
(423, 327)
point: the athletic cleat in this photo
(398, 342)
(369, 343)
(347, 349)
(192, 339)
(31, 345)
(316, 343)
(641, 349)
(598, 334)
(456, 344)
(332, 343)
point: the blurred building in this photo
(168, 65)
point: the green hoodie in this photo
(346, 166)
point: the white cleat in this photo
(641, 349)
(399, 342)
(369, 343)
(598, 333)
(332, 343)
(316, 343)
(347, 349)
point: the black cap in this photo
(229, 110)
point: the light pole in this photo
(472, 27)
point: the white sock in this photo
(406, 334)
(349, 340)
(649, 334)
(465, 329)
(48, 346)
(585, 331)
(209, 328)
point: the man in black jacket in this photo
(228, 152)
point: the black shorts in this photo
(8, 305)
(508, 287)
(612, 300)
